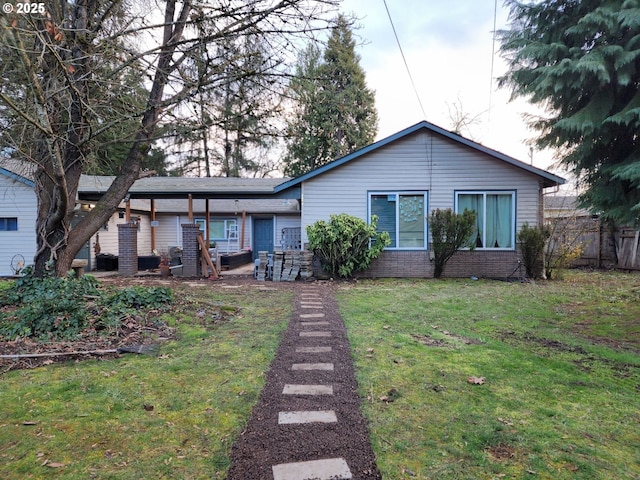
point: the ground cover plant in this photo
(484, 379)
(174, 415)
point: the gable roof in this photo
(549, 179)
(17, 171)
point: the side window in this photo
(495, 217)
(402, 215)
(8, 224)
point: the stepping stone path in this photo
(307, 423)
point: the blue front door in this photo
(262, 235)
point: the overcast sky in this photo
(448, 48)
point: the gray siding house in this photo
(17, 219)
(404, 177)
(400, 179)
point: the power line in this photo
(406, 65)
(493, 54)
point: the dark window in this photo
(8, 224)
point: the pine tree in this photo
(335, 113)
(580, 59)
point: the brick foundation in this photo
(127, 249)
(416, 264)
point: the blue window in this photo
(402, 215)
(8, 224)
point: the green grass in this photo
(88, 420)
(560, 398)
(561, 367)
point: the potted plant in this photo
(165, 264)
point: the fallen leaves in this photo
(47, 463)
(476, 380)
(391, 396)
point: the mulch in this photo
(264, 443)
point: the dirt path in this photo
(307, 422)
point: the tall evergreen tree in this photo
(335, 110)
(580, 59)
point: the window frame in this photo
(201, 222)
(7, 222)
(422, 193)
(484, 193)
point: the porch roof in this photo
(93, 187)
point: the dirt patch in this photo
(135, 332)
(501, 452)
(583, 359)
(430, 341)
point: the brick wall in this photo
(190, 250)
(127, 249)
(416, 264)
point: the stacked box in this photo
(306, 265)
(287, 266)
(277, 266)
(263, 257)
(295, 266)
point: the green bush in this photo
(346, 244)
(450, 231)
(61, 308)
(532, 241)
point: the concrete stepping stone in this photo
(315, 334)
(312, 315)
(317, 416)
(308, 305)
(313, 349)
(328, 469)
(307, 389)
(312, 366)
(314, 324)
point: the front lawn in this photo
(460, 379)
(174, 415)
(483, 379)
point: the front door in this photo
(262, 235)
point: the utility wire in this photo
(404, 59)
(493, 54)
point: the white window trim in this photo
(202, 222)
(484, 193)
(424, 194)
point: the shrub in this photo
(346, 244)
(450, 231)
(565, 244)
(532, 241)
(61, 308)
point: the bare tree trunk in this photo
(58, 179)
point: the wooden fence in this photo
(602, 246)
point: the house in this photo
(405, 177)
(17, 218)
(243, 214)
(400, 179)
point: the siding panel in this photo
(17, 200)
(423, 161)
